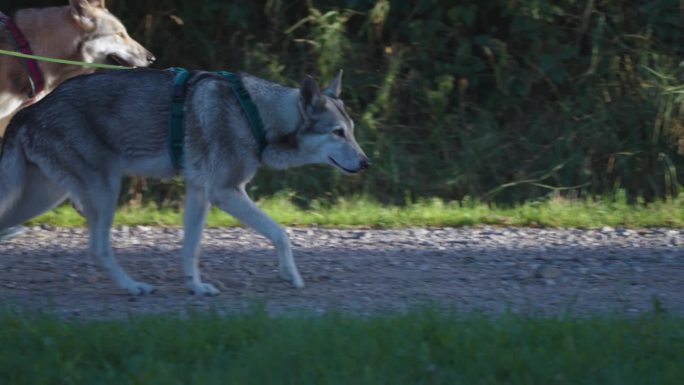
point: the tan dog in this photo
(84, 30)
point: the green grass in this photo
(419, 347)
(362, 212)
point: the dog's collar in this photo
(22, 45)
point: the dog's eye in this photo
(339, 132)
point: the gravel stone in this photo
(489, 269)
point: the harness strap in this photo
(177, 117)
(22, 45)
(250, 109)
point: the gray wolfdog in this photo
(82, 138)
(84, 30)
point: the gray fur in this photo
(81, 139)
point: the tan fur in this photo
(60, 32)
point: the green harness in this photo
(177, 116)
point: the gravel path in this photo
(531, 271)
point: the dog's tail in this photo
(12, 178)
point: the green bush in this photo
(496, 100)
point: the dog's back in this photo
(77, 124)
(127, 125)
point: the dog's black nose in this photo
(151, 58)
(365, 163)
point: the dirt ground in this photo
(524, 270)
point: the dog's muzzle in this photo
(363, 165)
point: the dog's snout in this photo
(364, 164)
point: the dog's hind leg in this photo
(38, 195)
(98, 207)
(236, 203)
(196, 207)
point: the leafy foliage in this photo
(494, 100)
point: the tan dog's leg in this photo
(4, 121)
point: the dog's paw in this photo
(292, 276)
(297, 282)
(139, 288)
(9, 233)
(203, 289)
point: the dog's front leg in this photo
(236, 203)
(196, 207)
(100, 247)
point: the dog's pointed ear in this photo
(310, 94)
(82, 12)
(335, 87)
(80, 7)
(83, 5)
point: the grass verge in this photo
(362, 212)
(419, 347)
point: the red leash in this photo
(22, 45)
